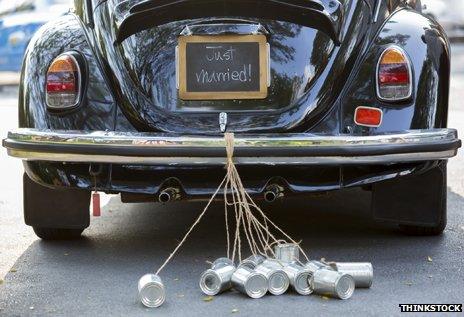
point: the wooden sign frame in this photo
(223, 95)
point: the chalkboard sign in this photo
(223, 67)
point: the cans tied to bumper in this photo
(313, 266)
(299, 277)
(219, 278)
(278, 281)
(221, 262)
(151, 291)
(253, 261)
(362, 272)
(287, 252)
(333, 283)
(249, 282)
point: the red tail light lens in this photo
(368, 116)
(63, 83)
(394, 78)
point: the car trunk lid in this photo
(310, 55)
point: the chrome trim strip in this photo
(158, 140)
(377, 11)
(119, 140)
(271, 161)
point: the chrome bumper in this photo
(276, 149)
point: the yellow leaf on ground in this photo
(13, 270)
(429, 259)
(208, 298)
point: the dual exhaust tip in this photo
(168, 195)
(271, 194)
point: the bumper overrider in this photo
(256, 149)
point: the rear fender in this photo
(427, 46)
(97, 110)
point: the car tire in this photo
(55, 214)
(422, 231)
(417, 204)
(57, 233)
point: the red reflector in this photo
(368, 117)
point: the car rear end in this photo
(320, 95)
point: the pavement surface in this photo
(98, 275)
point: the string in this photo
(257, 231)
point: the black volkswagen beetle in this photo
(133, 97)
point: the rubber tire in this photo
(57, 233)
(55, 214)
(422, 231)
(426, 231)
(434, 230)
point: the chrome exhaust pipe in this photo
(272, 193)
(169, 194)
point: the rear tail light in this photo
(63, 83)
(394, 78)
(368, 117)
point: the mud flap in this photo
(416, 200)
(55, 208)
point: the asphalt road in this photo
(98, 275)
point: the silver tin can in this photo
(151, 291)
(278, 281)
(333, 283)
(217, 279)
(288, 253)
(313, 266)
(274, 263)
(253, 261)
(222, 262)
(362, 272)
(246, 281)
(299, 277)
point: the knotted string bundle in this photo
(250, 220)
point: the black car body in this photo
(129, 131)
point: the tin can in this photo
(333, 283)
(362, 272)
(274, 263)
(278, 281)
(246, 281)
(288, 253)
(217, 279)
(151, 291)
(313, 266)
(299, 277)
(222, 262)
(253, 261)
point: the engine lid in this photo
(308, 64)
